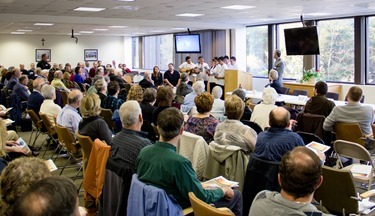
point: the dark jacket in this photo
(319, 105)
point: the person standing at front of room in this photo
(279, 66)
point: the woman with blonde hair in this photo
(9, 146)
(92, 124)
(135, 93)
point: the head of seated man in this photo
(279, 118)
(355, 94)
(321, 88)
(299, 176)
(55, 195)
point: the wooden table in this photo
(309, 87)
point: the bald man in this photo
(271, 145)
(147, 82)
(36, 99)
(69, 116)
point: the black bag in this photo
(26, 124)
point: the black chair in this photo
(253, 125)
(309, 137)
(260, 175)
(297, 92)
(333, 95)
(284, 90)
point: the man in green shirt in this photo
(159, 165)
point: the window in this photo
(336, 42)
(135, 51)
(257, 50)
(158, 51)
(371, 51)
(293, 63)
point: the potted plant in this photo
(310, 76)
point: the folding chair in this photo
(51, 131)
(86, 144)
(38, 126)
(201, 208)
(333, 95)
(350, 132)
(107, 116)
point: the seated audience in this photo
(21, 88)
(92, 124)
(56, 195)
(232, 131)
(157, 76)
(17, 177)
(66, 80)
(101, 88)
(353, 112)
(273, 76)
(69, 116)
(147, 82)
(247, 111)
(300, 174)
(49, 107)
(279, 139)
(171, 76)
(44, 74)
(198, 88)
(92, 88)
(180, 179)
(9, 148)
(218, 108)
(78, 75)
(135, 93)
(164, 99)
(127, 143)
(111, 101)
(36, 98)
(319, 104)
(16, 74)
(262, 111)
(57, 83)
(147, 107)
(203, 123)
(183, 88)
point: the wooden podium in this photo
(233, 79)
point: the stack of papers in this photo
(219, 182)
(361, 170)
(318, 147)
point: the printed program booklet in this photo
(318, 147)
(22, 143)
(219, 182)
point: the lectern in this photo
(235, 78)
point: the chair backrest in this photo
(67, 139)
(86, 144)
(350, 132)
(309, 137)
(127, 78)
(37, 122)
(47, 124)
(64, 96)
(260, 175)
(336, 191)
(155, 130)
(201, 208)
(107, 116)
(297, 92)
(253, 125)
(333, 95)
(284, 90)
(352, 150)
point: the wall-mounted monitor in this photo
(189, 43)
(302, 41)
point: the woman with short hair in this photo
(262, 111)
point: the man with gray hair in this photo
(147, 82)
(127, 143)
(36, 98)
(242, 94)
(48, 107)
(198, 87)
(68, 116)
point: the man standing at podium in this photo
(279, 66)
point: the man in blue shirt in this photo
(273, 144)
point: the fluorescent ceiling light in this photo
(75, 34)
(238, 7)
(100, 29)
(126, 7)
(117, 26)
(317, 14)
(157, 31)
(18, 33)
(86, 32)
(189, 15)
(179, 28)
(89, 9)
(44, 24)
(24, 30)
(125, 0)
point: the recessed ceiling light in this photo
(317, 14)
(117, 26)
(100, 29)
(86, 32)
(44, 24)
(238, 7)
(24, 30)
(18, 33)
(89, 9)
(189, 15)
(126, 7)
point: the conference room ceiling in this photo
(148, 17)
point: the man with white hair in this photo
(69, 117)
(57, 83)
(101, 88)
(147, 82)
(49, 107)
(218, 108)
(198, 87)
(127, 143)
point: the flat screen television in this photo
(302, 41)
(189, 43)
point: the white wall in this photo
(16, 49)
